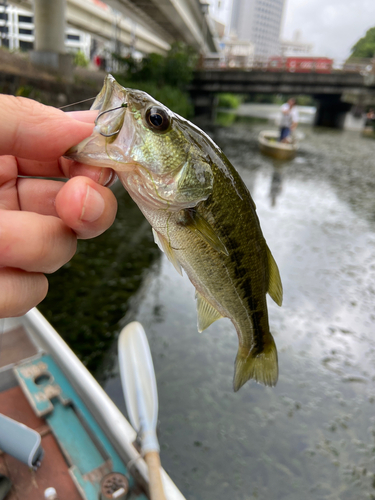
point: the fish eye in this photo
(157, 119)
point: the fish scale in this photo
(202, 215)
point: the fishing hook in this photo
(123, 105)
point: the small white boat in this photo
(270, 145)
(65, 437)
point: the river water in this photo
(313, 435)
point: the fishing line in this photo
(78, 102)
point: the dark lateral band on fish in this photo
(201, 212)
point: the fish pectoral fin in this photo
(195, 222)
(207, 314)
(165, 247)
(275, 288)
(262, 367)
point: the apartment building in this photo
(17, 32)
(259, 22)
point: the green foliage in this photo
(80, 59)
(365, 47)
(230, 101)
(172, 97)
(151, 69)
(24, 91)
(225, 119)
(163, 77)
(175, 69)
(180, 64)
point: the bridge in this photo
(327, 88)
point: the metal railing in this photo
(364, 66)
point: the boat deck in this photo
(28, 484)
(15, 346)
(77, 454)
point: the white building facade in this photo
(17, 32)
(296, 47)
(259, 22)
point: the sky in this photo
(332, 26)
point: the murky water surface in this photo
(313, 436)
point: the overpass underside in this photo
(328, 89)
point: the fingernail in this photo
(83, 116)
(93, 206)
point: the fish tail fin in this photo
(261, 366)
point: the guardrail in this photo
(217, 62)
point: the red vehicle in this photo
(301, 64)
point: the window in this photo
(4, 15)
(73, 37)
(4, 29)
(26, 45)
(25, 19)
(23, 31)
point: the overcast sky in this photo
(333, 26)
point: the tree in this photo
(365, 47)
(175, 69)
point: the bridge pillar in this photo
(49, 46)
(330, 111)
(204, 103)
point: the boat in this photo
(61, 436)
(368, 131)
(270, 145)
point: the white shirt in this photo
(287, 119)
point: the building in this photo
(17, 32)
(220, 11)
(296, 47)
(238, 53)
(259, 22)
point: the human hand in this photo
(40, 219)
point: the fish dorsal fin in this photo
(206, 313)
(275, 288)
(165, 247)
(195, 222)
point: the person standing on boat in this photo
(289, 120)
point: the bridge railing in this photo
(363, 66)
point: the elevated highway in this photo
(179, 20)
(146, 25)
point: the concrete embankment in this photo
(18, 76)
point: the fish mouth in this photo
(111, 95)
(111, 103)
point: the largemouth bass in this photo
(201, 212)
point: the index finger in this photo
(64, 167)
(28, 129)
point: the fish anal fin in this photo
(275, 288)
(165, 247)
(206, 313)
(195, 222)
(262, 367)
